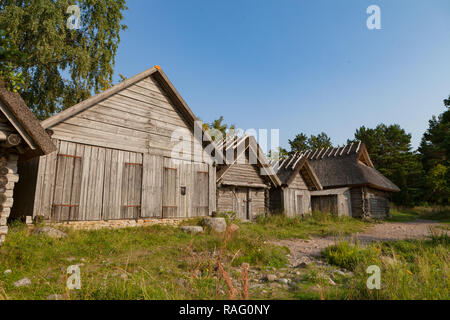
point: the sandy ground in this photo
(305, 251)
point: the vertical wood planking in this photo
(59, 184)
(152, 190)
(106, 209)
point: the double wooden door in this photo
(185, 189)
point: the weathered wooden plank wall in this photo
(93, 183)
(296, 202)
(140, 118)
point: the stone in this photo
(50, 232)
(216, 224)
(29, 220)
(284, 281)
(191, 229)
(270, 278)
(3, 230)
(7, 272)
(55, 297)
(25, 282)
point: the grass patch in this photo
(277, 227)
(155, 262)
(402, 214)
(409, 269)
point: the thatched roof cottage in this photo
(352, 186)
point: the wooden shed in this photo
(244, 179)
(21, 136)
(298, 179)
(335, 201)
(116, 158)
(351, 167)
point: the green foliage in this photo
(391, 153)
(320, 141)
(62, 67)
(348, 256)
(435, 156)
(8, 73)
(302, 143)
(218, 129)
(409, 269)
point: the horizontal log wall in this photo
(9, 177)
(378, 202)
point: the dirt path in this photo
(305, 251)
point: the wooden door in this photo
(299, 204)
(131, 190)
(241, 206)
(66, 199)
(170, 188)
(200, 205)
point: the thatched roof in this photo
(347, 166)
(25, 123)
(288, 168)
(233, 149)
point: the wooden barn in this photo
(244, 179)
(21, 136)
(353, 186)
(298, 180)
(116, 158)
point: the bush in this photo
(349, 256)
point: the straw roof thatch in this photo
(347, 166)
(23, 120)
(288, 168)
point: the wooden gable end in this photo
(298, 182)
(139, 118)
(243, 173)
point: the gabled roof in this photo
(24, 122)
(287, 169)
(234, 147)
(347, 166)
(157, 74)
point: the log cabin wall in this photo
(114, 161)
(8, 179)
(378, 203)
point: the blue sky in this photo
(297, 66)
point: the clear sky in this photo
(297, 66)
